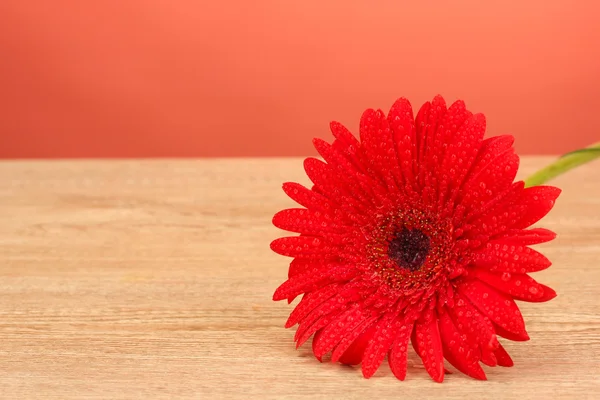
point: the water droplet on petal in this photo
(533, 290)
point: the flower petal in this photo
(402, 124)
(515, 337)
(306, 197)
(520, 286)
(470, 321)
(458, 351)
(427, 344)
(336, 186)
(525, 237)
(500, 257)
(430, 136)
(313, 279)
(310, 301)
(498, 307)
(379, 346)
(493, 172)
(339, 327)
(306, 330)
(477, 328)
(378, 146)
(335, 158)
(517, 209)
(461, 152)
(398, 356)
(348, 340)
(503, 358)
(354, 354)
(308, 222)
(537, 201)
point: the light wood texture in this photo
(153, 279)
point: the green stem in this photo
(564, 164)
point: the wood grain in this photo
(153, 279)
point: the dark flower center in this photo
(409, 248)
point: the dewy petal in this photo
(459, 156)
(347, 140)
(306, 197)
(313, 279)
(300, 265)
(334, 185)
(458, 351)
(526, 237)
(427, 344)
(430, 140)
(335, 158)
(379, 346)
(515, 337)
(520, 286)
(503, 358)
(537, 201)
(305, 221)
(339, 327)
(311, 301)
(402, 123)
(470, 321)
(398, 356)
(500, 257)
(498, 307)
(492, 173)
(378, 146)
(517, 209)
(351, 337)
(354, 354)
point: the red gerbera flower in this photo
(417, 234)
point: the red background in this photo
(145, 78)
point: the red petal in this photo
(306, 197)
(431, 136)
(469, 320)
(304, 221)
(493, 172)
(309, 302)
(427, 344)
(300, 265)
(538, 201)
(459, 352)
(379, 346)
(459, 156)
(503, 358)
(513, 259)
(516, 337)
(498, 307)
(313, 279)
(349, 339)
(318, 336)
(516, 209)
(398, 356)
(354, 354)
(402, 123)
(335, 185)
(525, 237)
(519, 286)
(337, 160)
(306, 330)
(341, 326)
(378, 146)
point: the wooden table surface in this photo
(153, 279)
